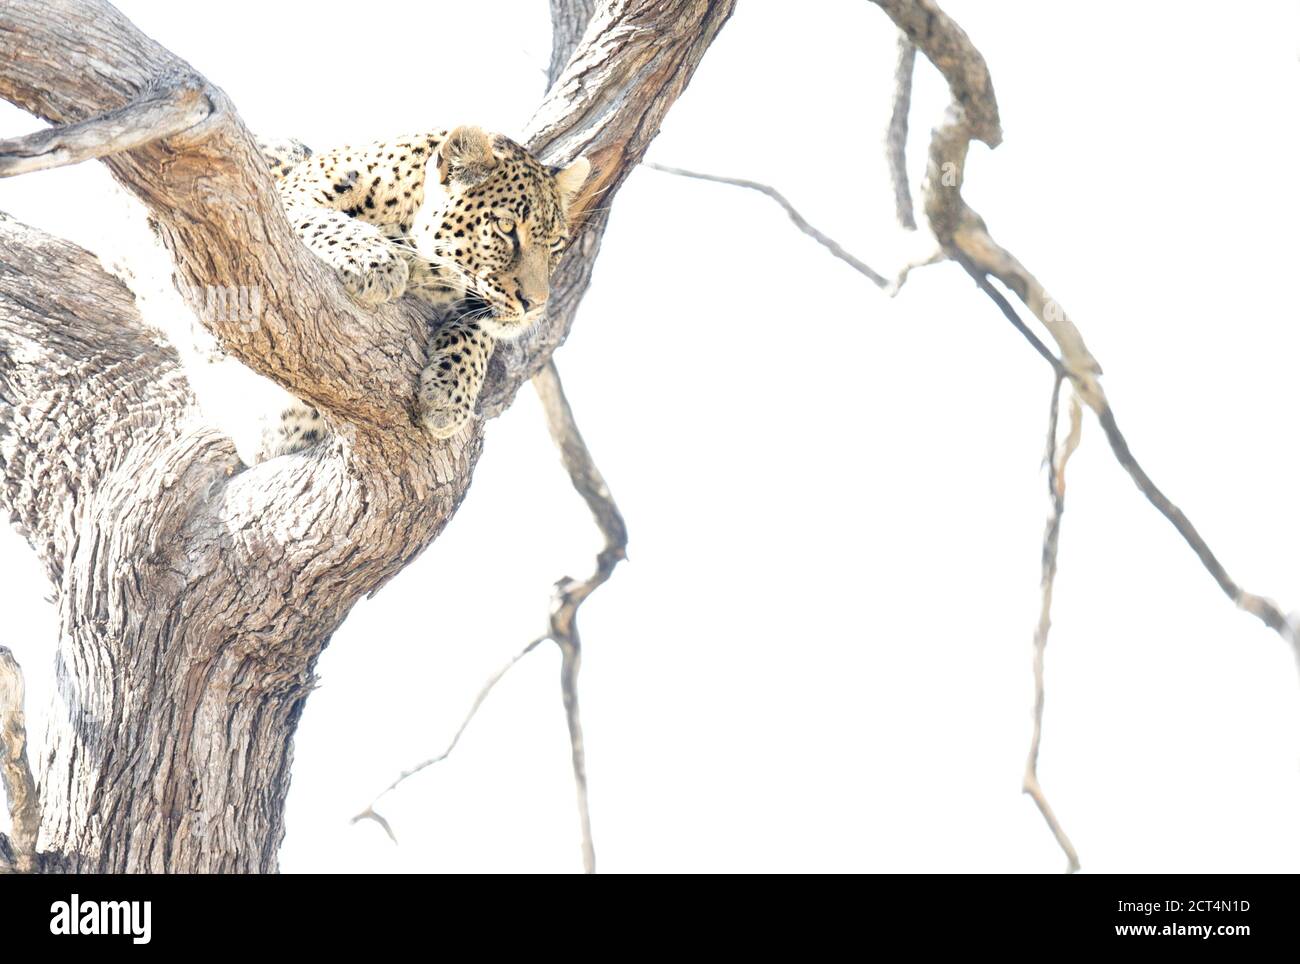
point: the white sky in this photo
(818, 657)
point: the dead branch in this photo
(570, 594)
(15, 771)
(896, 135)
(964, 235)
(951, 51)
(141, 122)
(1260, 607)
(1056, 457)
(369, 813)
(830, 244)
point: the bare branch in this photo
(570, 593)
(962, 65)
(15, 771)
(965, 237)
(1056, 457)
(896, 136)
(1260, 607)
(146, 120)
(1266, 610)
(369, 812)
(577, 460)
(830, 244)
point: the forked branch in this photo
(567, 599)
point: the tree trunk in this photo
(196, 593)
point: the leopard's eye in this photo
(505, 225)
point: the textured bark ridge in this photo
(196, 593)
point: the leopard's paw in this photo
(444, 408)
(376, 281)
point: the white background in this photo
(818, 657)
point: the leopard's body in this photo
(442, 216)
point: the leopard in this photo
(457, 217)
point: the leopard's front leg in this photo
(371, 267)
(450, 383)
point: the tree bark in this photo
(196, 593)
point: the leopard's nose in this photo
(526, 304)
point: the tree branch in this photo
(15, 771)
(635, 58)
(570, 594)
(963, 234)
(139, 123)
(369, 813)
(950, 50)
(891, 288)
(896, 136)
(1266, 610)
(800, 222)
(965, 238)
(1056, 457)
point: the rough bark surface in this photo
(196, 593)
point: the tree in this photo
(194, 598)
(187, 582)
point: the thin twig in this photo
(1056, 458)
(896, 136)
(369, 813)
(891, 288)
(15, 771)
(1266, 610)
(830, 244)
(141, 122)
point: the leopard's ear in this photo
(465, 158)
(570, 179)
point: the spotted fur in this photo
(444, 217)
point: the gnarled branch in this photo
(139, 123)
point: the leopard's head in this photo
(495, 223)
